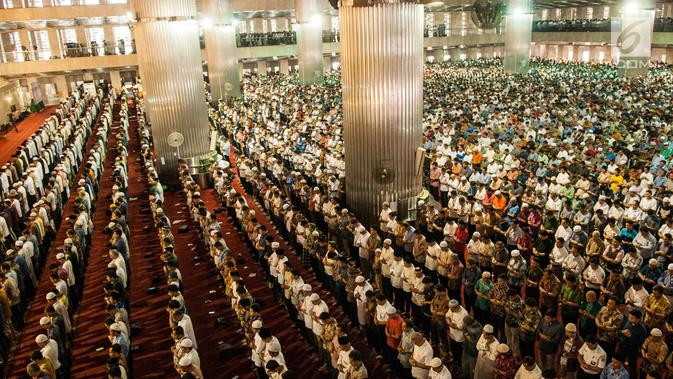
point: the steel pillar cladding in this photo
(220, 37)
(169, 58)
(518, 36)
(309, 41)
(382, 75)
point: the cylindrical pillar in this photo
(382, 74)
(284, 66)
(309, 41)
(169, 57)
(518, 35)
(261, 67)
(221, 51)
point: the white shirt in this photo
(422, 354)
(443, 374)
(457, 318)
(637, 298)
(595, 357)
(50, 350)
(186, 324)
(522, 373)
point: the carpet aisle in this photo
(154, 360)
(10, 140)
(34, 312)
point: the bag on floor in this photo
(228, 351)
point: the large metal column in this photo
(169, 57)
(221, 51)
(309, 41)
(518, 35)
(382, 74)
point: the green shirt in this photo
(591, 309)
(483, 288)
(573, 294)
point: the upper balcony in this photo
(29, 10)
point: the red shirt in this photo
(394, 327)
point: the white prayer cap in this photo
(115, 327)
(44, 321)
(502, 348)
(421, 203)
(387, 241)
(577, 228)
(656, 332)
(316, 189)
(435, 362)
(360, 279)
(443, 244)
(60, 256)
(275, 245)
(391, 310)
(652, 262)
(185, 361)
(41, 338)
(498, 192)
(315, 297)
(186, 342)
(315, 233)
(51, 296)
(257, 324)
(306, 287)
(571, 327)
(488, 328)
(476, 234)
(111, 225)
(670, 266)
(18, 243)
(485, 274)
(344, 211)
(515, 253)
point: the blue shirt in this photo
(610, 373)
(123, 341)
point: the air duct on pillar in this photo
(518, 35)
(169, 57)
(309, 41)
(220, 36)
(382, 73)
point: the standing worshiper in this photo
(528, 325)
(528, 369)
(482, 305)
(570, 345)
(455, 319)
(343, 362)
(472, 331)
(615, 369)
(514, 308)
(438, 370)
(505, 363)
(439, 305)
(549, 334)
(653, 352)
(357, 369)
(608, 321)
(592, 359)
(421, 357)
(487, 348)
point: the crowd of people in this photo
(550, 223)
(36, 186)
(116, 286)
(186, 359)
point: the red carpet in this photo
(10, 140)
(34, 312)
(91, 331)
